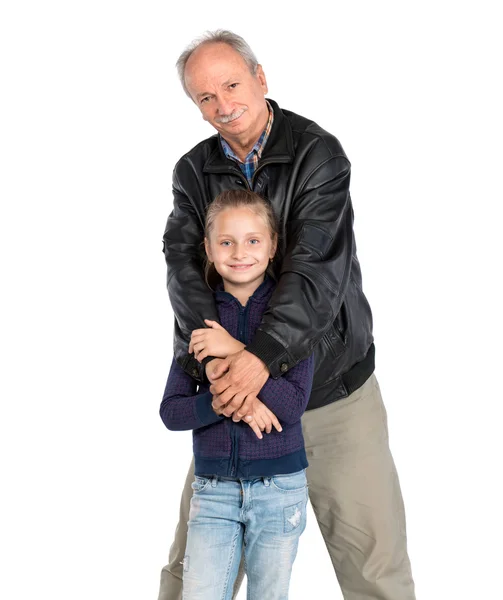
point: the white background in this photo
(92, 122)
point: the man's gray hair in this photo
(220, 36)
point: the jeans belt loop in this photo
(214, 481)
(267, 481)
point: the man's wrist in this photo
(271, 353)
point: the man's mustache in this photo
(234, 115)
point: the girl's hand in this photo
(262, 419)
(214, 341)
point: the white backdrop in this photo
(92, 122)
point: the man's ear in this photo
(261, 77)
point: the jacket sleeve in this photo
(191, 298)
(182, 407)
(315, 270)
(288, 396)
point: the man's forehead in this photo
(218, 60)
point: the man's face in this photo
(229, 97)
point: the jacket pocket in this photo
(334, 340)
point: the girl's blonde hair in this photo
(238, 199)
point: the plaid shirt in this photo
(250, 163)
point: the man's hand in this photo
(235, 390)
(214, 341)
(215, 369)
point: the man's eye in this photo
(254, 241)
(233, 85)
(225, 243)
(205, 99)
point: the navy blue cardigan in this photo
(222, 447)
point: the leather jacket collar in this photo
(279, 147)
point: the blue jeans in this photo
(265, 515)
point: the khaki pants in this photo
(355, 494)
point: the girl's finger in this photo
(198, 335)
(260, 421)
(268, 422)
(275, 422)
(213, 324)
(202, 355)
(197, 332)
(256, 429)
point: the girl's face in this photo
(240, 246)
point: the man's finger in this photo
(247, 406)
(233, 403)
(220, 369)
(217, 403)
(216, 406)
(219, 386)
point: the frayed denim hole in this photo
(293, 516)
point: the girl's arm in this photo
(182, 407)
(287, 397)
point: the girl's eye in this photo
(225, 243)
(254, 241)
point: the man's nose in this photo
(224, 105)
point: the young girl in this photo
(250, 490)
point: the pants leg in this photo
(356, 497)
(274, 523)
(172, 573)
(214, 540)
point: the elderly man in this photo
(318, 306)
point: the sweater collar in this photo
(263, 292)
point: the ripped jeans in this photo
(264, 516)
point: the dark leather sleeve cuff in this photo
(193, 368)
(270, 352)
(204, 363)
(207, 360)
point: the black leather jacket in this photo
(318, 303)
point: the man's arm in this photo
(314, 272)
(190, 296)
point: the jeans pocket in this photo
(291, 483)
(200, 483)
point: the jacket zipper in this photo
(258, 169)
(242, 335)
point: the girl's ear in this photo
(274, 246)
(207, 249)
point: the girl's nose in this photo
(239, 251)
